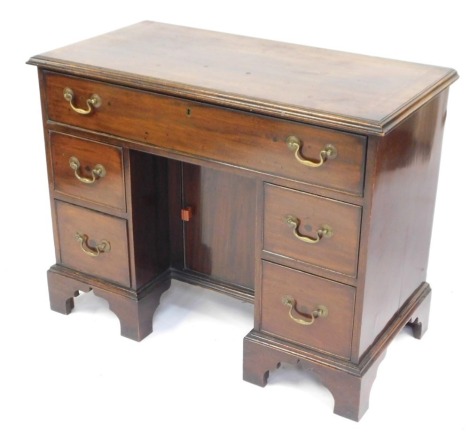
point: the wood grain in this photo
(332, 88)
(216, 134)
(331, 334)
(107, 191)
(113, 265)
(399, 217)
(219, 239)
(197, 119)
(337, 253)
(147, 178)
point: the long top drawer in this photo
(300, 152)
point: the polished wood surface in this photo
(148, 222)
(108, 191)
(198, 122)
(337, 253)
(349, 382)
(350, 387)
(399, 217)
(112, 265)
(214, 133)
(322, 86)
(135, 316)
(221, 231)
(332, 333)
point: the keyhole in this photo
(188, 112)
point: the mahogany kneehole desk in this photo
(300, 179)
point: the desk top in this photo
(329, 88)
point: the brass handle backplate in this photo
(324, 232)
(94, 101)
(98, 171)
(103, 247)
(321, 311)
(329, 152)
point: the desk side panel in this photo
(400, 216)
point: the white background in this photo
(75, 377)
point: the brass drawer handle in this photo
(329, 152)
(325, 231)
(321, 311)
(103, 247)
(94, 101)
(98, 171)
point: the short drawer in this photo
(190, 128)
(88, 170)
(312, 229)
(307, 310)
(93, 243)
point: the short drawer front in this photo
(88, 170)
(234, 137)
(307, 310)
(93, 243)
(315, 230)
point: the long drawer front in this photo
(93, 242)
(296, 151)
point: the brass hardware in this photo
(186, 213)
(94, 101)
(103, 247)
(321, 311)
(97, 172)
(328, 152)
(325, 231)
